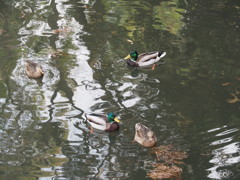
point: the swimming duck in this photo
(103, 122)
(144, 136)
(33, 70)
(144, 60)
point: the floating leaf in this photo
(186, 120)
(85, 6)
(130, 41)
(168, 155)
(226, 84)
(166, 168)
(234, 100)
(1, 31)
(162, 171)
(114, 32)
(65, 30)
(22, 14)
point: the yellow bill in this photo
(117, 120)
(127, 57)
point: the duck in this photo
(144, 136)
(104, 122)
(144, 60)
(33, 70)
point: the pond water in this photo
(191, 102)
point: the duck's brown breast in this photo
(112, 127)
(132, 63)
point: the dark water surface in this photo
(191, 102)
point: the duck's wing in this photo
(150, 58)
(97, 118)
(147, 59)
(147, 56)
(97, 121)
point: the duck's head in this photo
(133, 56)
(112, 117)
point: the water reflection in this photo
(80, 45)
(87, 153)
(226, 155)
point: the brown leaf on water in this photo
(65, 30)
(130, 41)
(57, 31)
(234, 99)
(22, 14)
(162, 171)
(226, 84)
(168, 155)
(114, 32)
(166, 168)
(85, 7)
(185, 119)
(1, 31)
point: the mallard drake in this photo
(144, 60)
(103, 122)
(33, 70)
(144, 136)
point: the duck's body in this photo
(103, 122)
(33, 70)
(144, 60)
(144, 136)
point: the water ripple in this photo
(226, 155)
(229, 131)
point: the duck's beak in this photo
(127, 57)
(41, 71)
(116, 119)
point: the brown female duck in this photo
(33, 70)
(144, 136)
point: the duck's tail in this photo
(161, 54)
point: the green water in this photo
(190, 102)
